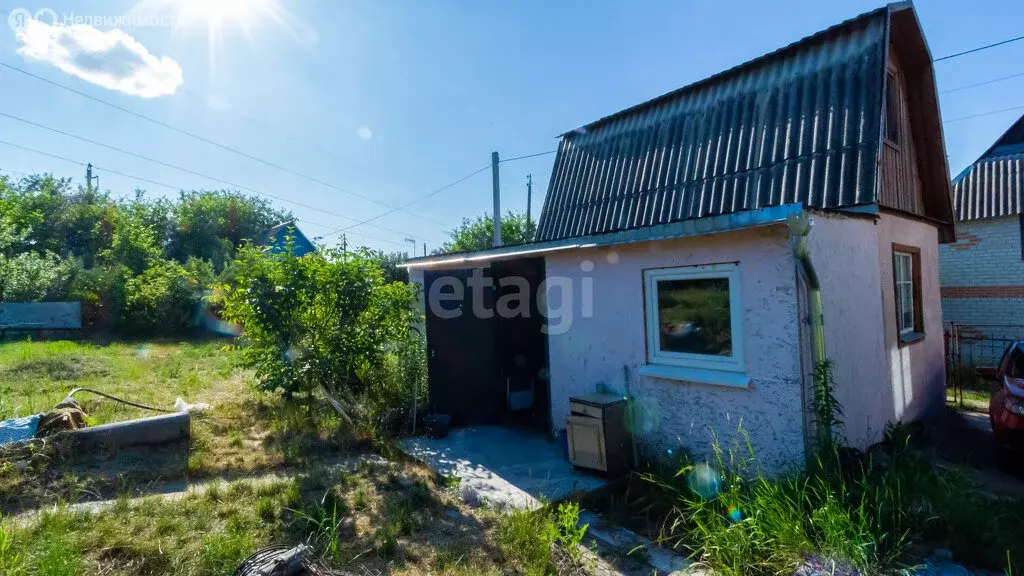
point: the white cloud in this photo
(111, 59)
(364, 133)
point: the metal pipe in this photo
(800, 225)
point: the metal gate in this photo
(969, 346)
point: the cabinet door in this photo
(586, 443)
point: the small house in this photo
(277, 239)
(982, 273)
(702, 252)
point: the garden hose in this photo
(114, 398)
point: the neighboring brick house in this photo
(982, 274)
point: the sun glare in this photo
(218, 13)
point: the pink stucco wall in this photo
(916, 372)
(678, 414)
(877, 380)
(844, 250)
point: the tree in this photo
(324, 320)
(212, 225)
(478, 234)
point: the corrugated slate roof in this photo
(798, 125)
(994, 185)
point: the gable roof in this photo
(275, 237)
(993, 186)
(801, 124)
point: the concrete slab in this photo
(503, 467)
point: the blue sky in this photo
(390, 100)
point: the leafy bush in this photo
(163, 299)
(322, 321)
(393, 385)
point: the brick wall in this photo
(982, 274)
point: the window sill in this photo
(911, 338)
(698, 375)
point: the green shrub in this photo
(162, 299)
(320, 322)
(393, 385)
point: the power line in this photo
(200, 98)
(80, 163)
(411, 202)
(985, 83)
(527, 156)
(978, 49)
(146, 180)
(990, 113)
(193, 172)
(210, 142)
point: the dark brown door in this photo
(464, 376)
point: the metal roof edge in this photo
(730, 222)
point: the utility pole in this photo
(497, 199)
(424, 249)
(89, 178)
(344, 244)
(529, 199)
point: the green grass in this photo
(390, 518)
(244, 433)
(974, 400)
(402, 530)
(875, 512)
(37, 375)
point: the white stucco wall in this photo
(917, 371)
(681, 414)
(844, 250)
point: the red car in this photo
(1006, 407)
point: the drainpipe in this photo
(799, 227)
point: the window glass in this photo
(905, 291)
(892, 118)
(694, 316)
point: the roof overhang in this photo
(685, 229)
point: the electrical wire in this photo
(527, 156)
(985, 83)
(411, 202)
(189, 171)
(211, 142)
(978, 49)
(990, 113)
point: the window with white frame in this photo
(906, 263)
(694, 317)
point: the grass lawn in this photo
(277, 474)
(973, 400)
(242, 434)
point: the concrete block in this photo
(143, 431)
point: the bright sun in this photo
(217, 13)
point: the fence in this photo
(969, 346)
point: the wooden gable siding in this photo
(901, 187)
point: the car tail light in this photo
(1015, 405)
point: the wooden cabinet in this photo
(597, 433)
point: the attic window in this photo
(892, 108)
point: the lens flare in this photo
(735, 514)
(704, 481)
